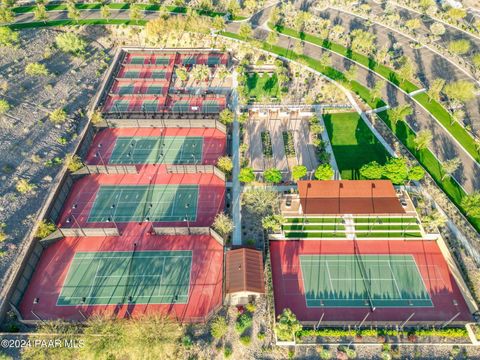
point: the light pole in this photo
(101, 159)
(35, 302)
(186, 217)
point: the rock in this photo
(48, 178)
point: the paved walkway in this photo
(236, 189)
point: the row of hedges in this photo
(451, 333)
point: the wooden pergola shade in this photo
(244, 271)
(335, 197)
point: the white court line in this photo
(395, 281)
(330, 278)
(161, 275)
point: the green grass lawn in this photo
(353, 143)
(386, 235)
(386, 227)
(313, 227)
(260, 86)
(310, 235)
(383, 220)
(314, 220)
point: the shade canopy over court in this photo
(348, 197)
(143, 277)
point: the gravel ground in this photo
(29, 142)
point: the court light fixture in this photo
(36, 300)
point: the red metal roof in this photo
(349, 197)
(244, 271)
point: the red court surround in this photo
(289, 289)
(205, 282)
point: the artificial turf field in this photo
(157, 149)
(154, 203)
(119, 277)
(353, 143)
(363, 281)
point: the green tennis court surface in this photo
(363, 281)
(118, 277)
(145, 203)
(157, 149)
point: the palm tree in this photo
(105, 12)
(135, 13)
(400, 113)
(40, 13)
(222, 72)
(457, 116)
(72, 12)
(272, 38)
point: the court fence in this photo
(87, 232)
(194, 169)
(176, 231)
(111, 169)
(168, 121)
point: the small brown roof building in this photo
(244, 275)
(334, 197)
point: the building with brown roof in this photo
(244, 276)
(333, 197)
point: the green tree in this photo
(461, 90)
(218, 23)
(23, 186)
(44, 229)
(376, 91)
(223, 225)
(457, 116)
(325, 60)
(471, 204)
(272, 38)
(456, 14)
(406, 69)
(476, 61)
(73, 162)
(200, 72)
(219, 327)
(226, 117)
(416, 173)
(298, 172)
(287, 325)
(423, 139)
(413, 24)
(372, 171)
(8, 37)
(272, 175)
(245, 31)
(96, 117)
(450, 166)
(399, 113)
(105, 12)
(459, 47)
(437, 29)
(435, 89)
(324, 172)
(36, 69)
(273, 223)
(136, 13)
(70, 42)
(225, 164)
(72, 12)
(182, 73)
(362, 41)
(351, 73)
(6, 15)
(58, 116)
(261, 202)
(246, 175)
(396, 170)
(4, 106)
(40, 13)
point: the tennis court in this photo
(155, 203)
(119, 277)
(363, 281)
(157, 149)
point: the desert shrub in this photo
(44, 229)
(245, 340)
(244, 321)
(58, 116)
(23, 186)
(73, 162)
(250, 307)
(227, 351)
(219, 327)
